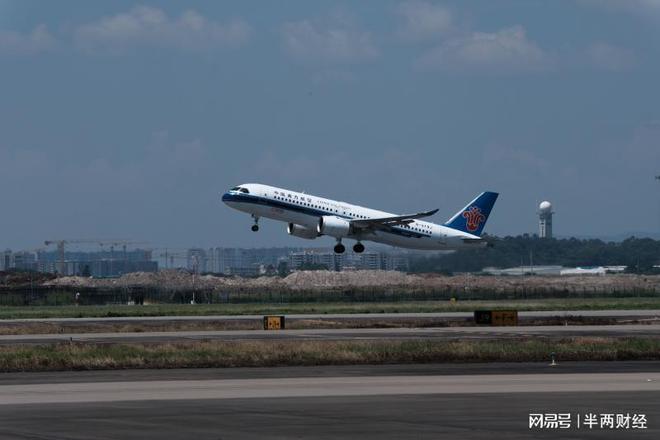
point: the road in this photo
(441, 333)
(402, 402)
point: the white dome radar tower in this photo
(545, 219)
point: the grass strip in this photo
(22, 312)
(296, 353)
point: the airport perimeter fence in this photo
(140, 295)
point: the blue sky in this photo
(128, 119)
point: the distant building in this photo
(545, 219)
(97, 263)
(349, 260)
(395, 261)
(599, 270)
(246, 261)
(5, 259)
(21, 260)
(554, 270)
(524, 270)
(24, 261)
(261, 261)
(197, 260)
(312, 257)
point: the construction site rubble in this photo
(322, 280)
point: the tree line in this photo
(640, 255)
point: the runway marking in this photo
(324, 386)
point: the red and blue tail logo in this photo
(472, 218)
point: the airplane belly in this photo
(408, 242)
(276, 213)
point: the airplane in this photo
(309, 217)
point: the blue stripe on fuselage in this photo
(249, 198)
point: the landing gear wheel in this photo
(340, 248)
(358, 248)
(255, 226)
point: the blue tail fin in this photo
(472, 218)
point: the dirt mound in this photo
(17, 278)
(363, 278)
(323, 279)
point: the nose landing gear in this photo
(255, 226)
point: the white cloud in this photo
(39, 40)
(151, 27)
(422, 20)
(609, 57)
(316, 44)
(505, 51)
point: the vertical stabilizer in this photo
(472, 218)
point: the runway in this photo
(324, 386)
(441, 333)
(328, 405)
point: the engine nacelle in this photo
(301, 231)
(333, 226)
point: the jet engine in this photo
(301, 231)
(334, 226)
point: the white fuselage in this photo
(306, 210)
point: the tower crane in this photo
(171, 256)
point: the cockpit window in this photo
(244, 190)
(238, 188)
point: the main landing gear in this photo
(358, 248)
(255, 226)
(339, 248)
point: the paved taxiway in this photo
(415, 402)
(343, 334)
(434, 315)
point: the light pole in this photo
(195, 263)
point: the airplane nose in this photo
(226, 197)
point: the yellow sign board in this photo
(504, 317)
(273, 322)
(496, 317)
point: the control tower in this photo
(545, 219)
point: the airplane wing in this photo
(385, 222)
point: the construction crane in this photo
(171, 256)
(123, 244)
(101, 242)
